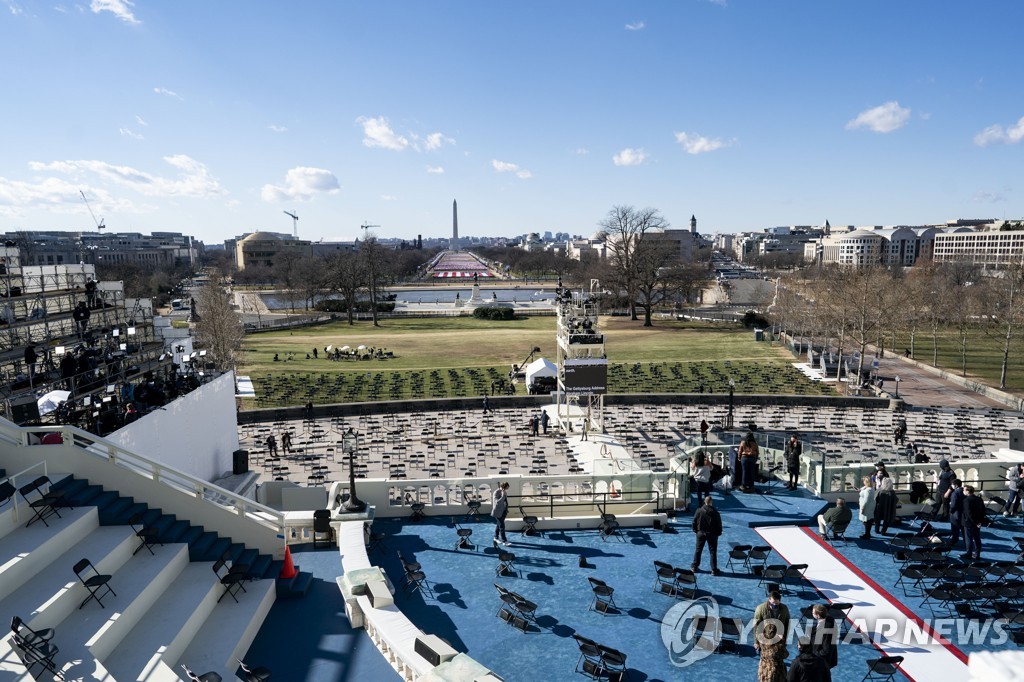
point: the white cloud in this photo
(997, 134)
(302, 184)
(131, 133)
(698, 144)
(720, 3)
(194, 180)
(635, 26)
(985, 197)
(630, 157)
(165, 91)
(389, 197)
(378, 133)
(140, 121)
(884, 118)
(435, 140)
(436, 170)
(581, 151)
(277, 129)
(119, 8)
(14, 7)
(505, 167)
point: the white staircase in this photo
(165, 611)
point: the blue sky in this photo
(212, 118)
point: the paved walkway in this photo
(920, 388)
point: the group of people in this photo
(817, 653)
(286, 444)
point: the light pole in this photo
(732, 387)
(349, 445)
(897, 380)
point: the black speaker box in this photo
(241, 462)
(24, 410)
(1017, 439)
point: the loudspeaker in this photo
(15, 291)
(241, 462)
(434, 649)
(24, 410)
(1017, 439)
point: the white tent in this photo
(540, 367)
(49, 402)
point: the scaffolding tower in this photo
(582, 362)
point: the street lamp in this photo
(732, 387)
(897, 380)
(349, 446)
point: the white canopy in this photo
(49, 402)
(541, 367)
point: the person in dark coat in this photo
(885, 505)
(707, 525)
(956, 512)
(823, 635)
(794, 448)
(974, 518)
(943, 481)
(808, 666)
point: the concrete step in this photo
(229, 631)
(26, 551)
(172, 623)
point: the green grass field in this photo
(460, 357)
(984, 356)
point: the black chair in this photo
(685, 584)
(738, 553)
(884, 668)
(43, 504)
(417, 511)
(7, 491)
(613, 663)
(415, 579)
(257, 674)
(94, 581)
(473, 509)
(39, 653)
(462, 536)
(610, 528)
(28, 635)
(589, 662)
(506, 564)
(795, 572)
(664, 577)
(757, 558)
(375, 542)
(322, 526)
(529, 523)
(205, 677)
(232, 582)
(147, 536)
(604, 596)
(836, 533)
(772, 573)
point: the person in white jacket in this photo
(866, 513)
(1013, 495)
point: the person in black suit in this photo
(823, 635)
(808, 666)
(707, 525)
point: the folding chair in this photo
(94, 581)
(258, 674)
(884, 668)
(7, 491)
(232, 582)
(610, 528)
(146, 536)
(664, 577)
(795, 572)
(416, 580)
(28, 635)
(322, 526)
(41, 653)
(506, 564)
(836, 533)
(527, 608)
(462, 536)
(589, 662)
(604, 596)
(417, 511)
(613, 663)
(529, 523)
(205, 677)
(738, 553)
(236, 568)
(43, 504)
(375, 542)
(685, 584)
(473, 509)
(757, 558)
(774, 573)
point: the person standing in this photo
(30, 363)
(534, 426)
(707, 525)
(286, 442)
(956, 512)
(772, 666)
(943, 481)
(701, 475)
(704, 429)
(823, 635)
(866, 502)
(794, 448)
(974, 517)
(748, 455)
(81, 317)
(271, 446)
(1013, 485)
(885, 504)
(315, 352)
(90, 293)
(808, 666)
(773, 612)
(544, 421)
(487, 404)
(309, 410)
(499, 510)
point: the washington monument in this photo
(454, 246)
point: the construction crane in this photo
(99, 223)
(295, 223)
(365, 228)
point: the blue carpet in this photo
(464, 602)
(308, 639)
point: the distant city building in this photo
(263, 248)
(899, 246)
(162, 250)
(991, 245)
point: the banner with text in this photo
(585, 376)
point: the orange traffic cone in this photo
(289, 568)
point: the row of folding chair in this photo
(674, 581)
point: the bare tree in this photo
(624, 228)
(346, 273)
(1003, 298)
(218, 329)
(960, 280)
(652, 259)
